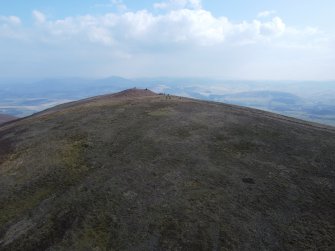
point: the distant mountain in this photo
(66, 88)
(140, 171)
(312, 101)
(6, 118)
(23, 99)
(260, 98)
(282, 102)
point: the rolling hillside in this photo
(141, 171)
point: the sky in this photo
(240, 39)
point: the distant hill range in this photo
(313, 101)
(140, 171)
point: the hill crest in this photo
(133, 93)
(139, 171)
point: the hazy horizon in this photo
(308, 100)
(22, 79)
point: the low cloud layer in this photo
(174, 34)
(177, 26)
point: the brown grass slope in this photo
(139, 171)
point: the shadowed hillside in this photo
(141, 171)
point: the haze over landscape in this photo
(167, 125)
(309, 100)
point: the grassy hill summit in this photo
(140, 171)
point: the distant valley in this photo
(312, 101)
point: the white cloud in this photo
(10, 27)
(143, 30)
(276, 27)
(39, 17)
(181, 26)
(161, 5)
(266, 13)
(181, 35)
(10, 20)
(119, 5)
(179, 4)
